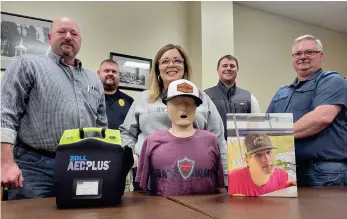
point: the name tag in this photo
(85, 187)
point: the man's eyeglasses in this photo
(166, 62)
(306, 53)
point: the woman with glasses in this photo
(148, 114)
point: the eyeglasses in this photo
(166, 62)
(306, 53)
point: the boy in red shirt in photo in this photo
(260, 176)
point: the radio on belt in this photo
(91, 171)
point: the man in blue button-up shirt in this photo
(318, 101)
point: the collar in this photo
(118, 93)
(310, 78)
(60, 60)
(226, 90)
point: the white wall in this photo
(263, 47)
(262, 41)
(217, 37)
(133, 28)
(211, 35)
(194, 41)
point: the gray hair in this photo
(308, 37)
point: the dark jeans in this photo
(37, 171)
(322, 174)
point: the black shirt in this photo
(117, 107)
(228, 94)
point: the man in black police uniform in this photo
(117, 102)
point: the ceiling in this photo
(331, 15)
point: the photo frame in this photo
(133, 70)
(261, 155)
(22, 35)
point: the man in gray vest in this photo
(227, 97)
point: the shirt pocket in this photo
(302, 98)
(93, 98)
(240, 106)
(280, 102)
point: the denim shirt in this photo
(300, 98)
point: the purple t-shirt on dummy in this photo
(170, 165)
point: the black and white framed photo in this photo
(22, 35)
(133, 70)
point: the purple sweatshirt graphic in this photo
(171, 165)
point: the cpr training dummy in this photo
(182, 160)
(260, 176)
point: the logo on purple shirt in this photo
(186, 167)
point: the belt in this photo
(50, 154)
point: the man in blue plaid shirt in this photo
(41, 96)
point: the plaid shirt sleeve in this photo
(16, 85)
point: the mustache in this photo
(67, 43)
(303, 61)
(109, 77)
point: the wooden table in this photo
(134, 205)
(313, 203)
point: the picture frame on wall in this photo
(133, 70)
(22, 35)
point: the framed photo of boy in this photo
(261, 155)
(22, 35)
(133, 70)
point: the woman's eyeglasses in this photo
(166, 62)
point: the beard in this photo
(108, 85)
(65, 51)
(68, 53)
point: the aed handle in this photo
(92, 129)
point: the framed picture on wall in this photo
(22, 35)
(133, 70)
